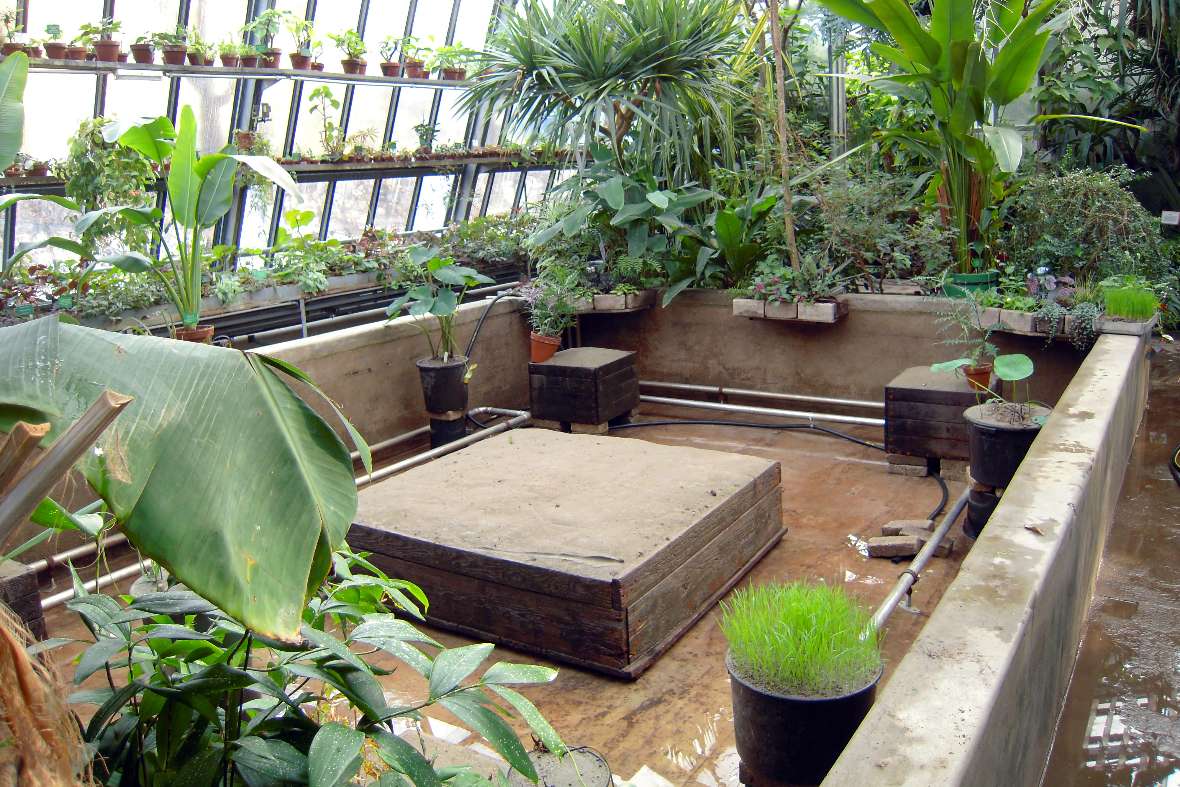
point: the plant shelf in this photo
(1027, 324)
(616, 304)
(821, 313)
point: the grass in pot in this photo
(551, 311)
(804, 665)
(435, 287)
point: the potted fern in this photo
(550, 312)
(804, 664)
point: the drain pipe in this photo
(745, 393)
(910, 576)
(769, 411)
(85, 550)
(422, 431)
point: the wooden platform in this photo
(598, 551)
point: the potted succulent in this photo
(451, 61)
(302, 31)
(100, 38)
(55, 48)
(804, 665)
(353, 46)
(389, 49)
(264, 28)
(414, 58)
(173, 46)
(435, 289)
(550, 313)
(1000, 431)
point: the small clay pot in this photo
(415, 69)
(123, 57)
(542, 348)
(106, 50)
(55, 50)
(209, 60)
(352, 66)
(391, 69)
(230, 61)
(196, 58)
(980, 377)
(270, 58)
(248, 61)
(75, 53)
(39, 170)
(173, 54)
(143, 53)
(299, 61)
(11, 48)
(454, 74)
(202, 334)
(15, 171)
(34, 52)
(317, 66)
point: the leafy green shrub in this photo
(1083, 223)
(800, 639)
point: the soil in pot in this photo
(783, 739)
(443, 388)
(351, 66)
(391, 69)
(173, 54)
(106, 51)
(55, 50)
(75, 53)
(999, 436)
(542, 348)
(143, 53)
(201, 334)
(248, 61)
(455, 74)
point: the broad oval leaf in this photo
(334, 756)
(950, 366)
(14, 73)
(184, 184)
(152, 138)
(217, 470)
(507, 672)
(269, 761)
(1007, 144)
(453, 665)
(1013, 367)
(493, 729)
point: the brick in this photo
(897, 526)
(748, 307)
(905, 459)
(894, 546)
(911, 470)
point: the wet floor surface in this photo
(674, 724)
(1120, 722)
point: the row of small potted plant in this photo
(400, 56)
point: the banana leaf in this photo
(217, 470)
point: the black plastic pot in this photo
(980, 506)
(996, 445)
(793, 740)
(442, 384)
(443, 432)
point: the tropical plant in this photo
(800, 639)
(966, 75)
(10, 23)
(815, 279)
(426, 132)
(452, 56)
(413, 49)
(435, 289)
(323, 102)
(966, 321)
(389, 48)
(653, 77)
(14, 73)
(350, 43)
(89, 33)
(200, 192)
(302, 32)
(266, 26)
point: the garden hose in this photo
(810, 427)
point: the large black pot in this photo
(997, 445)
(793, 740)
(442, 384)
(980, 505)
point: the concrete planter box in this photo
(1022, 322)
(789, 311)
(748, 307)
(1128, 327)
(641, 299)
(822, 312)
(625, 303)
(782, 310)
(351, 281)
(583, 305)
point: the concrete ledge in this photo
(975, 700)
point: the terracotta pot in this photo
(300, 62)
(244, 140)
(454, 74)
(270, 58)
(391, 69)
(55, 50)
(107, 51)
(416, 69)
(75, 53)
(10, 47)
(196, 58)
(230, 61)
(542, 348)
(143, 53)
(202, 334)
(980, 377)
(248, 61)
(209, 60)
(173, 54)
(14, 171)
(317, 66)
(33, 52)
(352, 66)
(123, 57)
(39, 170)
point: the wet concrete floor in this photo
(1120, 722)
(674, 724)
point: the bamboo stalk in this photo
(16, 449)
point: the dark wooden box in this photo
(21, 593)
(584, 385)
(924, 414)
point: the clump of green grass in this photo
(800, 639)
(1131, 303)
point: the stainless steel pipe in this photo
(57, 599)
(747, 393)
(747, 409)
(83, 551)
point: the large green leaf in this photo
(14, 72)
(907, 31)
(1007, 144)
(950, 21)
(217, 192)
(334, 756)
(854, 11)
(184, 182)
(217, 470)
(1015, 65)
(1013, 367)
(154, 139)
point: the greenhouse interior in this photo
(590, 392)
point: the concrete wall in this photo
(976, 699)
(697, 339)
(369, 370)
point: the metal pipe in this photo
(424, 430)
(722, 392)
(519, 418)
(769, 411)
(57, 599)
(910, 575)
(83, 551)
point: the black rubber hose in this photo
(809, 427)
(482, 317)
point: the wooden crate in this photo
(530, 540)
(20, 591)
(924, 414)
(584, 385)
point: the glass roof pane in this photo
(432, 203)
(393, 208)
